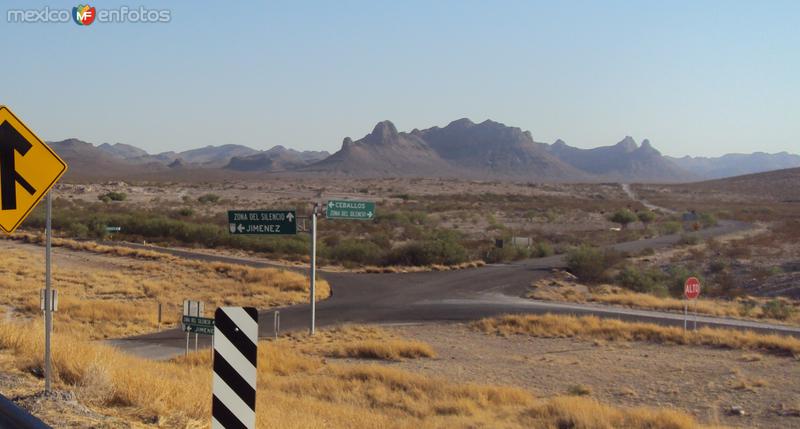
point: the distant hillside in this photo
(780, 185)
(737, 164)
(122, 151)
(216, 156)
(625, 161)
(384, 152)
(89, 162)
(483, 151)
(491, 149)
(276, 159)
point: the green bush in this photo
(717, 265)
(591, 263)
(645, 280)
(77, 230)
(708, 220)
(350, 251)
(646, 217)
(208, 198)
(112, 196)
(623, 218)
(443, 249)
(186, 212)
(542, 249)
(777, 309)
(671, 227)
(676, 279)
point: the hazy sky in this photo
(699, 77)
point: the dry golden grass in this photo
(385, 350)
(116, 291)
(298, 390)
(359, 342)
(567, 290)
(590, 327)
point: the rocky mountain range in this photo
(486, 151)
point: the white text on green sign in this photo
(278, 222)
(344, 209)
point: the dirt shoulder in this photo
(704, 382)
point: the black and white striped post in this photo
(235, 357)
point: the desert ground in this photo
(472, 374)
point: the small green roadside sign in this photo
(198, 325)
(345, 209)
(272, 222)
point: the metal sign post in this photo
(28, 170)
(48, 307)
(192, 310)
(685, 312)
(313, 274)
(276, 323)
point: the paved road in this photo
(461, 295)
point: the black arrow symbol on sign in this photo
(11, 141)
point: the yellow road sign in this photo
(28, 169)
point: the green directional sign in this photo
(202, 330)
(346, 209)
(273, 222)
(198, 325)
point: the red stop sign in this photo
(691, 289)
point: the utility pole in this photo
(313, 274)
(48, 294)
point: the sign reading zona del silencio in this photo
(345, 209)
(272, 222)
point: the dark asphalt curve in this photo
(461, 295)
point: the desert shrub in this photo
(676, 278)
(708, 220)
(112, 196)
(717, 265)
(591, 263)
(689, 240)
(186, 212)
(507, 253)
(646, 217)
(77, 230)
(402, 218)
(352, 251)
(671, 227)
(643, 280)
(724, 284)
(542, 249)
(623, 217)
(208, 198)
(777, 309)
(443, 249)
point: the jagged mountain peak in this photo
(648, 148)
(461, 123)
(384, 132)
(628, 144)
